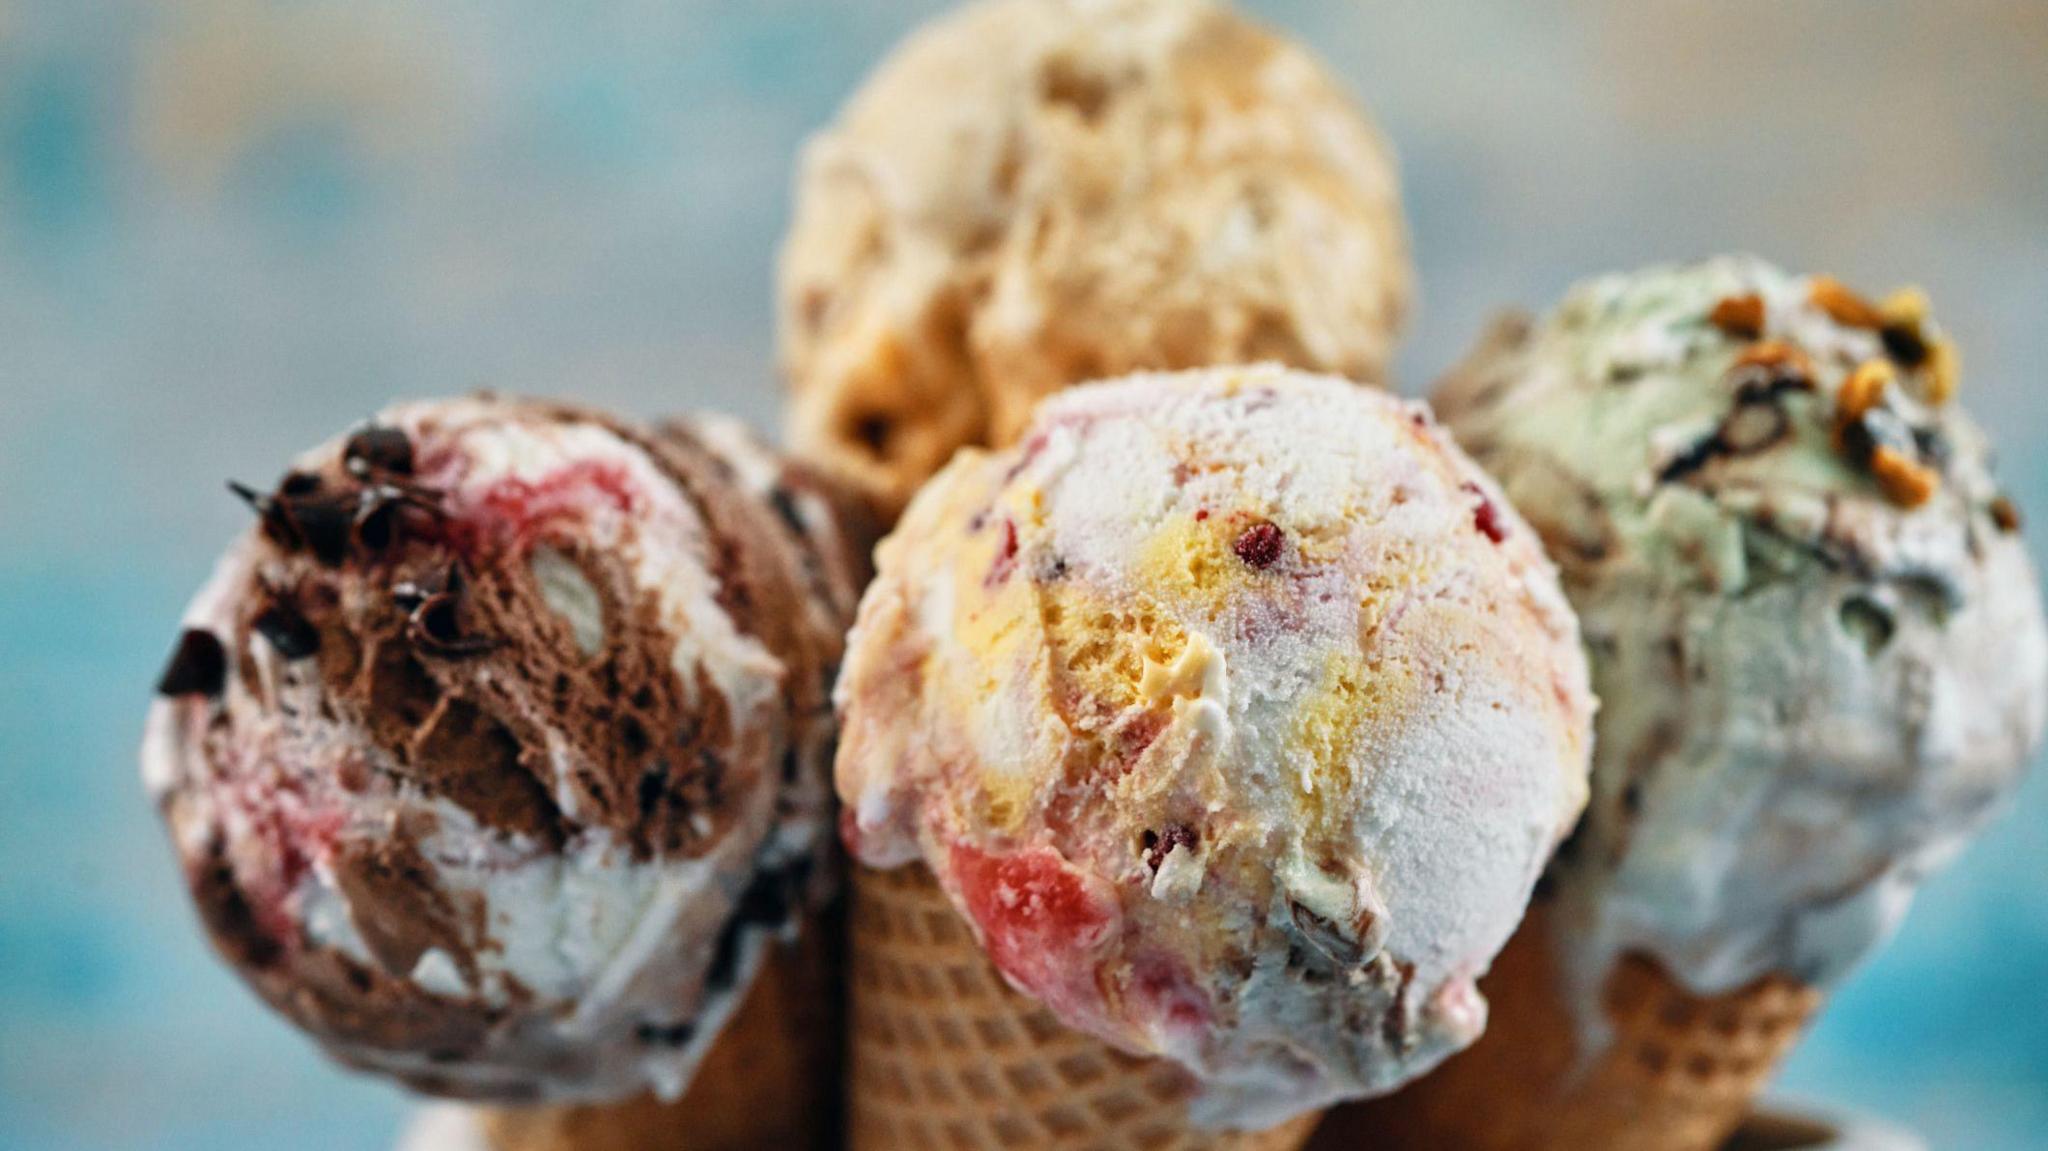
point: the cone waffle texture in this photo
(770, 1081)
(945, 1055)
(1679, 1074)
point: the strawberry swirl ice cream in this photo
(1238, 714)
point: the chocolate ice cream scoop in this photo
(495, 754)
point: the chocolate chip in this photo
(299, 484)
(1690, 460)
(1329, 938)
(198, 666)
(653, 786)
(324, 522)
(1260, 545)
(1874, 429)
(288, 631)
(1933, 445)
(665, 1034)
(1904, 344)
(378, 448)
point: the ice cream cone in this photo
(771, 1080)
(1679, 1071)
(946, 1055)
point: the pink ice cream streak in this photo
(1238, 714)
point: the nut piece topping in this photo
(1844, 306)
(2005, 514)
(1772, 366)
(1905, 481)
(1863, 390)
(1942, 374)
(1741, 317)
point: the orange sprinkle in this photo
(1740, 316)
(1847, 308)
(1906, 482)
(1863, 390)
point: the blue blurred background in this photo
(229, 228)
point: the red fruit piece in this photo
(1486, 516)
(1041, 920)
(1260, 544)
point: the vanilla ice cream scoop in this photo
(1814, 629)
(1031, 193)
(1237, 712)
(496, 753)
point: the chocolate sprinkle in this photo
(288, 631)
(198, 666)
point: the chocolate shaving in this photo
(198, 666)
(278, 527)
(288, 631)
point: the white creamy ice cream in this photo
(1815, 632)
(1237, 713)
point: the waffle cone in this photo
(945, 1055)
(771, 1079)
(1679, 1073)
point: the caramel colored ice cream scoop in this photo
(1032, 193)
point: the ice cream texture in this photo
(1238, 714)
(496, 754)
(1814, 628)
(1032, 193)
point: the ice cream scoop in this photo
(1814, 627)
(1031, 193)
(1237, 713)
(495, 753)
(1819, 649)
